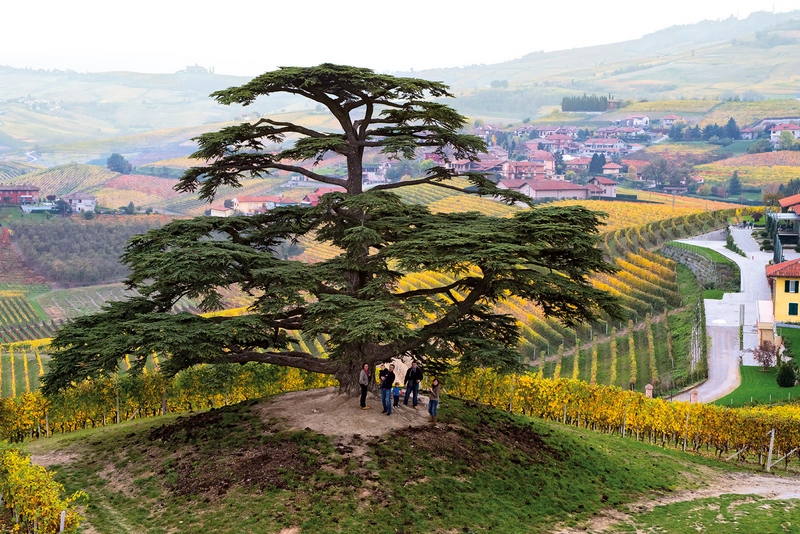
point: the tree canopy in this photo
(354, 303)
(117, 163)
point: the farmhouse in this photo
(259, 204)
(642, 121)
(80, 202)
(611, 168)
(607, 187)
(523, 170)
(784, 283)
(669, 120)
(539, 189)
(19, 194)
(221, 211)
(775, 134)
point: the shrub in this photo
(786, 376)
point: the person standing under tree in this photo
(387, 382)
(412, 380)
(363, 381)
(433, 400)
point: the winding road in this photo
(722, 316)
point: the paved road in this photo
(722, 317)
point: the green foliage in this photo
(517, 471)
(735, 185)
(786, 376)
(354, 300)
(584, 103)
(118, 163)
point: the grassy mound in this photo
(480, 469)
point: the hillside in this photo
(250, 470)
(52, 107)
(756, 56)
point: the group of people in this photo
(390, 388)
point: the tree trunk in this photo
(348, 374)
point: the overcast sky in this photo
(247, 37)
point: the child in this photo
(396, 392)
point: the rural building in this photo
(608, 146)
(577, 164)
(766, 322)
(669, 120)
(608, 187)
(611, 168)
(784, 283)
(643, 121)
(542, 189)
(524, 170)
(259, 204)
(312, 199)
(80, 202)
(19, 194)
(221, 211)
(748, 133)
(775, 135)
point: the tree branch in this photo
(298, 360)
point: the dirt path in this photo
(769, 487)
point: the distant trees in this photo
(732, 130)
(762, 145)
(663, 171)
(735, 184)
(560, 167)
(786, 140)
(596, 165)
(792, 187)
(681, 131)
(499, 84)
(117, 163)
(584, 103)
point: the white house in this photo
(80, 202)
(221, 211)
(775, 134)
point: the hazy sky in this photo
(247, 37)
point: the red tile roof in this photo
(671, 117)
(513, 184)
(604, 181)
(782, 127)
(554, 185)
(789, 268)
(786, 202)
(612, 165)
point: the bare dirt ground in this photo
(323, 411)
(52, 458)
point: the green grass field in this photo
(758, 387)
(481, 470)
(719, 515)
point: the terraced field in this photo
(12, 169)
(66, 179)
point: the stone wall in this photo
(710, 275)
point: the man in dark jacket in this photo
(387, 383)
(412, 380)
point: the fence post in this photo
(771, 443)
(686, 433)
(63, 521)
